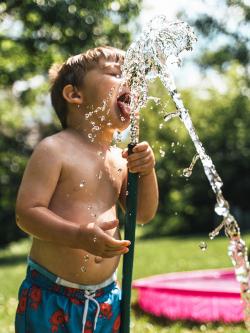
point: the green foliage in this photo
(46, 31)
(222, 122)
(234, 38)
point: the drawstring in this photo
(89, 297)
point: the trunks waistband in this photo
(62, 282)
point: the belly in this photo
(71, 264)
(77, 265)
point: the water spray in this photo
(149, 57)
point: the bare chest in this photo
(92, 176)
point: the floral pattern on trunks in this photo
(49, 308)
(22, 301)
(117, 324)
(35, 296)
(58, 318)
(106, 310)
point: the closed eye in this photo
(116, 74)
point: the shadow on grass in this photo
(13, 260)
(188, 324)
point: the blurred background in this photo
(214, 83)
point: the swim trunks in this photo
(49, 304)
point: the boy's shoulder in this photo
(52, 141)
(50, 145)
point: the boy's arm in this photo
(142, 161)
(35, 218)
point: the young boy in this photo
(67, 201)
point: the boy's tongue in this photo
(123, 105)
(124, 109)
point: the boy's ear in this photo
(72, 94)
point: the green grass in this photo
(151, 257)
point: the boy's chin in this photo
(123, 124)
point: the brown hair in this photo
(72, 71)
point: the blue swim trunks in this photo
(49, 304)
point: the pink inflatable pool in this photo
(208, 295)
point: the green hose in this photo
(128, 258)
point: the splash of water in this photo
(149, 57)
(187, 172)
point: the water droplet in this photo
(86, 258)
(203, 246)
(100, 175)
(186, 172)
(98, 259)
(82, 184)
(160, 126)
(172, 144)
(126, 192)
(94, 239)
(221, 210)
(170, 115)
(162, 152)
(84, 269)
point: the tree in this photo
(44, 31)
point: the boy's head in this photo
(73, 72)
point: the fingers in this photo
(141, 147)
(113, 243)
(142, 160)
(108, 225)
(125, 153)
(141, 165)
(110, 254)
(139, 155)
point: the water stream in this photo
(149, 57)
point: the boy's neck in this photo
(100, 138)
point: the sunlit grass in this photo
(151, 257)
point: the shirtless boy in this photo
(67, 201)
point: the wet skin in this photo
(81, 197)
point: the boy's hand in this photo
(142, 160)
(96, 241)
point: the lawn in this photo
(151, 257)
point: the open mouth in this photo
(123, 103)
